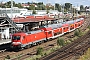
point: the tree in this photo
(57, 7)
(81, 7)
(67, 6)
(9, 4)
(18, 5)
(31, 7)
(34, 12)
(47, 11)
(28, 3)
(40, 3)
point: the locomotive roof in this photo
(19, 33)
(35, 31)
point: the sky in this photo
(73, 2)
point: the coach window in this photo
(55, 34)
(64, 28)
(75, 24)
(59, 32)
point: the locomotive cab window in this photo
(23, 37)
(16, 37)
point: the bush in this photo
(77, 32)
(7, 57)
(60, 42)
(39, 51)
(89, 27)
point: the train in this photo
(44, 33)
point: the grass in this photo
(86, 56)
(46, 52)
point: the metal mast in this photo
(11, 8)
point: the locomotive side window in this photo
(16, 37)
(23, 37)
(49, 32)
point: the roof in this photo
(26, 20)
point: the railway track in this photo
(27, 52)
(31, 51)
(30, 54)
(79, 45)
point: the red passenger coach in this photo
(82, 20)
(76, 23)
(65, 28)
(57, 30)
(71, 25)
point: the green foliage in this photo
(89, 27)
(7, 57)
(57, 7)
(47, 11)
(45, 54)
(52, 49)
(18, 56)
(18, 5)
(68, 6)
(39, 51)
(40, 6)
(81, 7)
(86, 55)
(77, 32)
(60, 42)
(34, 12)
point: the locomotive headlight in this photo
(16, 43)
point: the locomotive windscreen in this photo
(16, 38)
